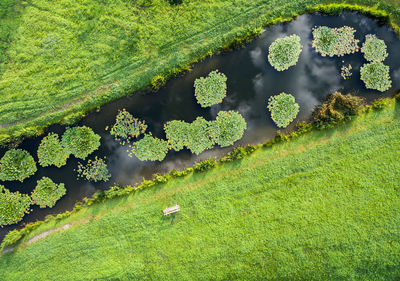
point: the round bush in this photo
(17, 164)
(127, 127)
(374, 49)
(376, 76)
(284, 52)
(80, 141)
(284, 109)
(13, 206)
(334, 41)
(150, 148)
(199, 138)
(227, 128)
(95, 170)
(210, 90)
(47, 193)
(177, 134)
(51, 152)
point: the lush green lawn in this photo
(324, 207)
(60, 58)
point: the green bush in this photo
(51, 152)
(284, 109)
(334, 41)
(13, 206)
(204, 165)
(228, 127)
(210, 90)
(376, 76)
(199, 138)
(47, 193)
(284, 52)
(80, 141)
(17, 164)
(150, 148)
(11, 238)
(95, 170)
(379, 104)
(127, 127)
(177, 133)
(374, 49)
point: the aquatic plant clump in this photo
(127, 127)
(47, 193)
(284, 52)
(374, 49)
(80, 141)
(177, 132)
(345, 71)
(334, 41)
(51, 152)
(227, 128)
(199, 138)
(284, 109)
(376, 76)
(13, 206)
(95, 170)
(17, 164)
(210, 90)
(150, 148)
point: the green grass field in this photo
(324, 206)
(61, 58)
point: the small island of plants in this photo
(284, 109)
(47, 192)
(376, 76)
(51, 152)
(374, 49)
(17, 164)
(284, 52)
(95, 170)
(210, 90)
(334, 41)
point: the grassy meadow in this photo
(61, 58)
(324, 206)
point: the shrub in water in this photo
(17, 164)
(51, 152)
(210, 90)
(177, 133)
(150, 148)
(95, 170)
(13, 206)
(284, 109)
(284, 52)
(199, 136)
(374, 49)
(80, 141)
(376, 76)
(227, 128)
(127, 127)
(46, 192)
(334, 41)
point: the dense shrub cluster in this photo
(228, 127)
(80, 141)
(199, 138)
(376, 76)
(51, 152)
(374, 49)
(95, 170)
(336, 109)
(284, 52)
(127, 127)
(47, 193)
(334, 41)
(177, 133)
(150, 148)
(17, 164)
(210, 90)
(204, 165)
(13, 206)
(284, 109)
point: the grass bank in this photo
(324, 206)
(59, 59)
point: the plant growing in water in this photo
(47, 193)
(80, 141)
(127, 127)
(284, 52)
(374, 49)
(150, 148)
(227, 128)
(95, 170)
(199, 138)
(13, 206)
(376, 76)
(17, 164)
(210, 90)
(334, 41)
(345, 72)
(51, 152)
(284, 109)
(177, 133)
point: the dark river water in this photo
(251, 80)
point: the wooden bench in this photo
(171, 210)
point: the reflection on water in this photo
(251, 81)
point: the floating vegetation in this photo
(227, 128)
(95, 170)
(376, 76)
(345, 71)
(47, 193)
(199, 138)
(51, 152)
(177, 133)
(150, 148)
(127, 127)
(334, 41)
(13, 206)
(374, 49)
(80, 141)
(284, 109)
(210, 90)
(284, 52)
(17, 164)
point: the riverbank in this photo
(83, 60)
(322, 206)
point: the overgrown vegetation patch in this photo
(284, 52)
(127, 127)
(210, 90)
(374, 49)
(283, 108)
(51, 152)
(13, 206)
(47, 193)
(17, 164)
(228, 127)
(80, 141)
(177, 133)
(376, 76)
(95, 170)
(199, 138)
(334, 41)
(150, 148)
